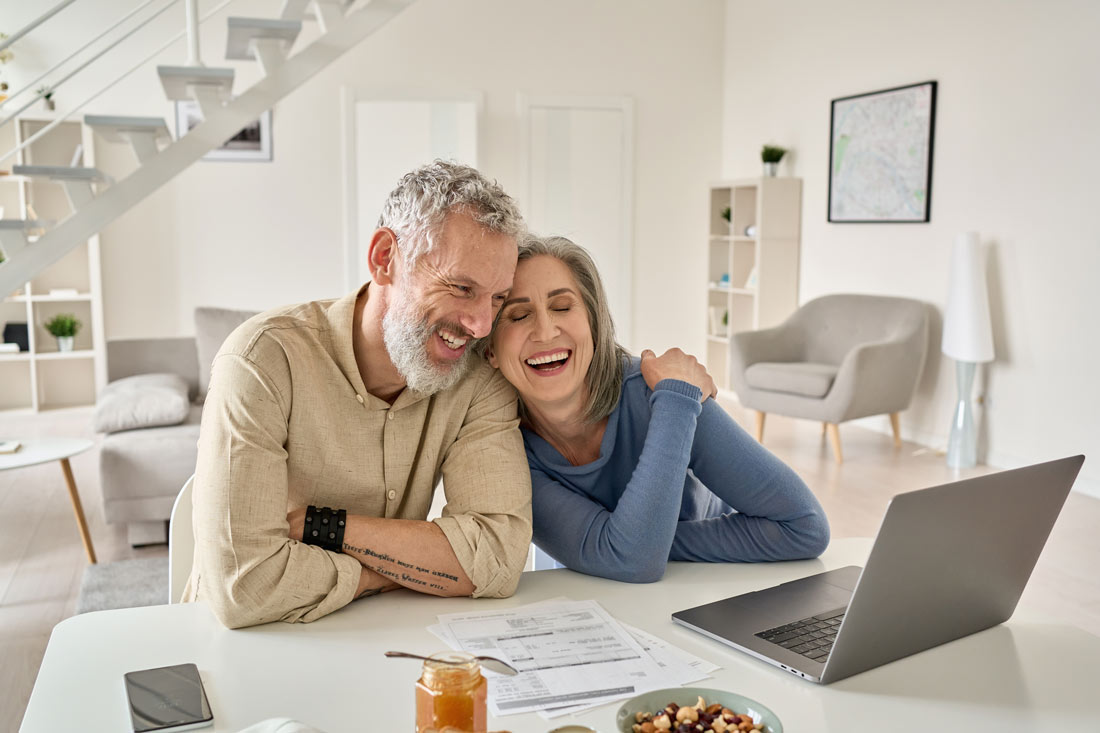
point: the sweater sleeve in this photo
(777, 518)
(630, 543)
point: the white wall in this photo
(1016, 158)
(254, 235)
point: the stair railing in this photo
(62, 117)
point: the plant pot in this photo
(64, 343)
(48, 104)
(770, 169)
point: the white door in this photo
(577, 155)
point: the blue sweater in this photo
(675, 480)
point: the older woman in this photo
(631, 464)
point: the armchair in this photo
(837, 358)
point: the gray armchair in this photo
(839, 357)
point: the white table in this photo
(1026, 675)
(44, 450)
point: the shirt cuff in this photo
(680, 387)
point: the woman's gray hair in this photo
(416, 208)
(605, 374)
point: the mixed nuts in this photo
(699, 718)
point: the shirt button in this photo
(359, 397)
(392, 495)
(389, 415)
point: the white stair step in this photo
(13, 235)
(327, 12)
(77, 182)
(142, 133)
(263, 39)
(296, 9)
(59, 172)
(210, 87)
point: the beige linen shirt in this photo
(288, 423)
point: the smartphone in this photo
(167, 699)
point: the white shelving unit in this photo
(43, 377)
(753, 260)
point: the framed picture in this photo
(252, 142)
(880, 155)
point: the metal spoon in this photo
(490, 663)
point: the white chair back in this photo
(181, 543)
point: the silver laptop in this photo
(948, 561)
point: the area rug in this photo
(131, 583)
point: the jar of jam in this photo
(451, 692)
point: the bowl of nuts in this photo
(695, 710)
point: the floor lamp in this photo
(968, 339)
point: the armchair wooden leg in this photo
(824, 427)
(834, 438)
(760, 426)
(895, 423)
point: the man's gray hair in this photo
(604, 379)
(416, 208)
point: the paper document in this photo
(568, 654)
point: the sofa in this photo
(149, 413)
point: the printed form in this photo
(567, 654)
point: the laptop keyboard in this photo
(811, 637)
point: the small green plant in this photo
(726, 212)
(63, 324)
(772, 154)
(726, 318)
(44, 91)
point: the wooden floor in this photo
(42, 560)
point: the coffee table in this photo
(43, 450)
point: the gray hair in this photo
(416, 208)
(605, 374)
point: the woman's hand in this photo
(675, 364)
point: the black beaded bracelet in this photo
(324, 527)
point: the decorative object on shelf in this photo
(63, 327)
(724, 281)
(750, 230)
(252, 142)
(46, 95)
(877, 137)
(726, 213)
(16, 333)
(968, 339)
(719, 321)
(752, 280)
(771, 155)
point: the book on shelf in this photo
(9, 348)
(64, 292)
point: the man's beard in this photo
(406, 332)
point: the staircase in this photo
(97, 200)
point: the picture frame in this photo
(880, 155)
(251, 143)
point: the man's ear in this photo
(382, 256)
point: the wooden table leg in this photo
(78, 510)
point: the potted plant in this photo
(771, 155)
(47, 96)
(63, 327)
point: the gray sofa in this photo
(150, 412)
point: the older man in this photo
(328, 424)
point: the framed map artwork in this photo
(880, 155)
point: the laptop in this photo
(948, 561)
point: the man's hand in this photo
(297, 521)
(675, 364)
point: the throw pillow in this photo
(142, 401)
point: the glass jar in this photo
(451, 692)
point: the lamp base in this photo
(962, 445)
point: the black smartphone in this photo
(167, 699)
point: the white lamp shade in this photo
(967, 330)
